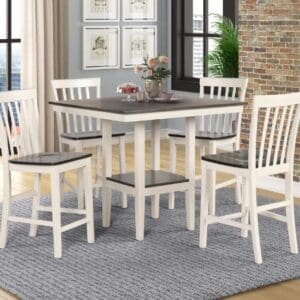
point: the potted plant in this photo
(223, 61)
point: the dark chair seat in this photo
(49, 159)
(238, 159)
(152, 178)
(202, 135)
(87, 135)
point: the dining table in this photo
(114, 109)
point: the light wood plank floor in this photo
(287, 290)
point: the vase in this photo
(154, 88)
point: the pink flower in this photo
(149, 73)
(152, 63)
(163, 60)
(138, 69)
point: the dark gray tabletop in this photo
(116, 106)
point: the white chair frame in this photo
(80, 89)
(225, 89)
(281, 114)
(22, 105)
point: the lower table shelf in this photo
(152, 178)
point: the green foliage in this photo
(224, 60)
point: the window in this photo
(10, 27)
(193, 38)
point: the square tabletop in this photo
(113, 108)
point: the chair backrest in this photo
(19, 124)
(76, 89)
(273, 131)
(226, 89)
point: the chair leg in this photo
(238, 189)
(290, 213)
(79, 182)
(5, 209)
(35, 204)
(172, 168)
(155, 206)
(204, 207)
(98, 172)
(245, 207)
(88, 193)
(254, 220)
(212, 196)
(56, 213)
(122, 161)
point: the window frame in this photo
(9, 41)
(179, 81)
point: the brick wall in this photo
(270, 52)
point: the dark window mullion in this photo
(9, 44)
(5, 41)
(205, 39)
(182, 39)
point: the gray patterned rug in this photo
(168, 264)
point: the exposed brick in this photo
(270, 54)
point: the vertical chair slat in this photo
(87, 93)
(35, 124)
(219, 92)
(233, 96)
(226, 92)
(6, 125)
(212, 89)
(73, 118)
(279, 135)
(68, 116)
(64, 94)
(26, 119)
(286, 134)
(82, 118)
(21, 137)
(263, 138)
(271, 140)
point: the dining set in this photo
(213, 121)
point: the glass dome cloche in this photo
(128, 88)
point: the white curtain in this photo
(43, 56)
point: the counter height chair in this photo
(273, 133)
(80, 132)
(214, 131)
(21, 152)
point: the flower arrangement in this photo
(154, 68)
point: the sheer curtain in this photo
(44, 56)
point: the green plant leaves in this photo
(223, 61)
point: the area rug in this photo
(168, 264)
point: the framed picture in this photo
(140, 10)
(101, 10)
(139, 42)
(101, 47)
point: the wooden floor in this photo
(288, 290)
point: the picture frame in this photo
(139, 10)
(101, 47)
(139, 42)
(101, 10)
